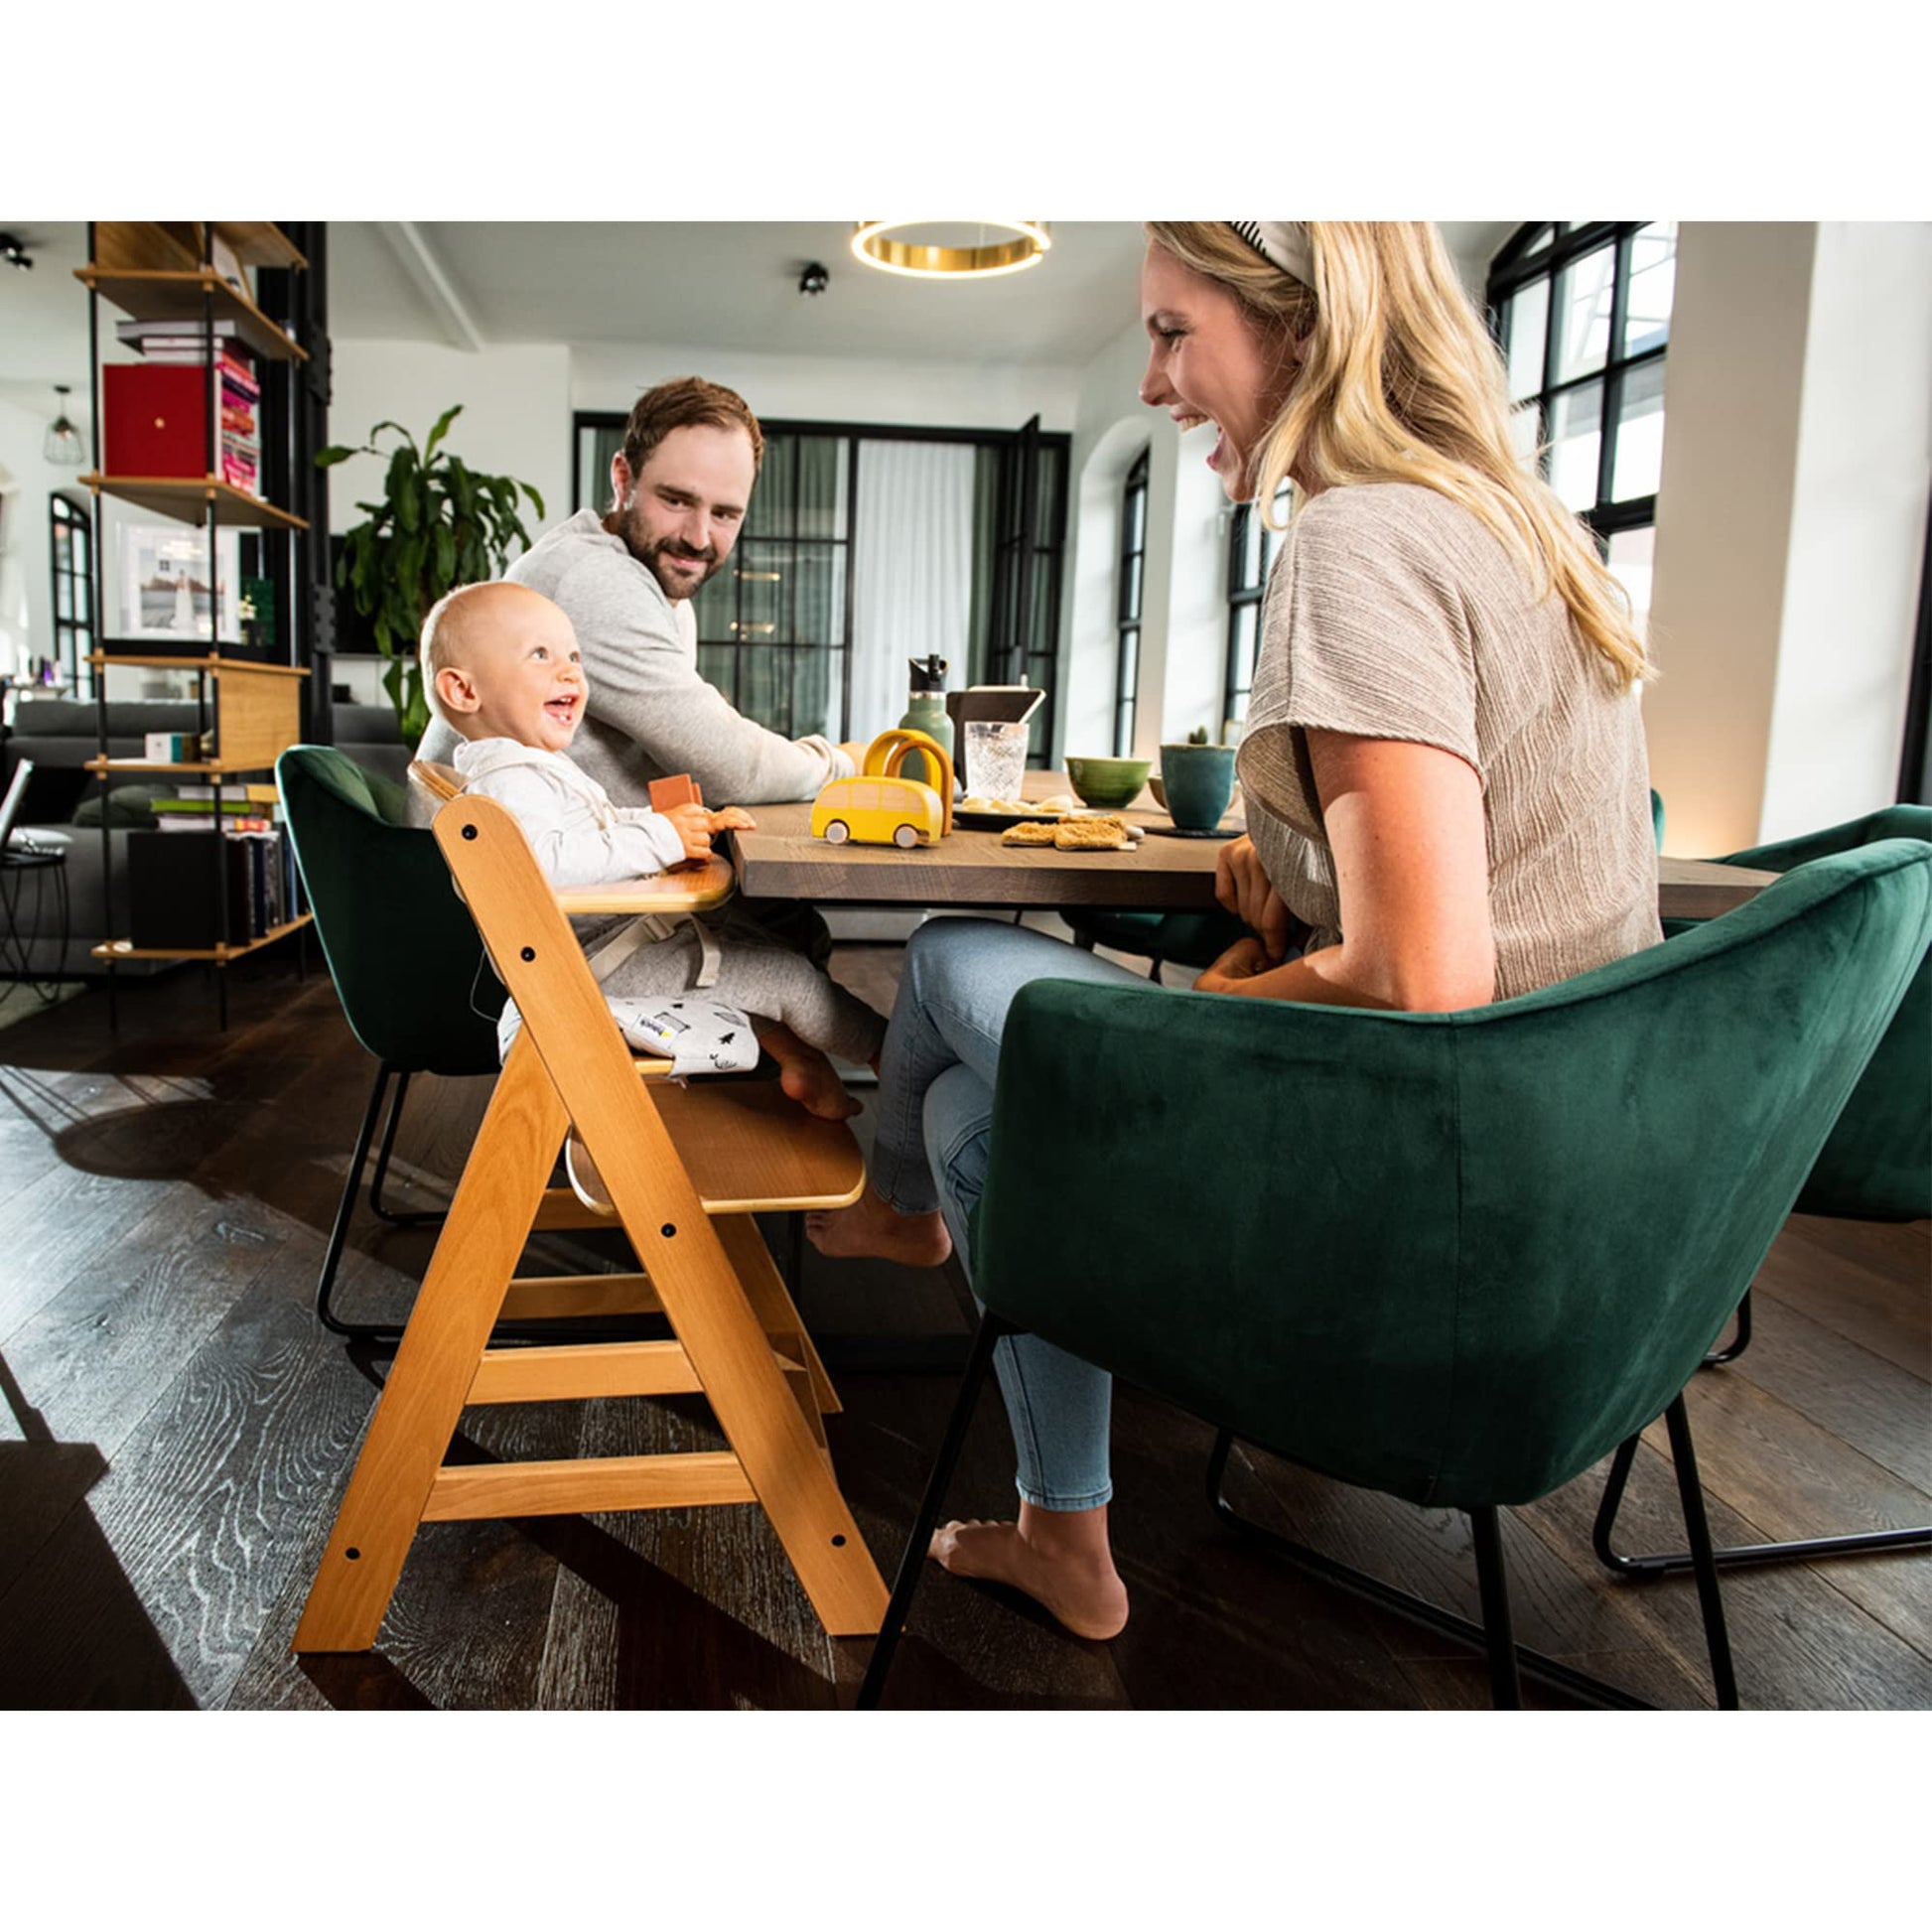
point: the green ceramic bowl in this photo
(1107, 784)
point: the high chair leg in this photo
(435, 1361)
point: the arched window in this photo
(71, 536)
(1127, 607)
(1581, 309)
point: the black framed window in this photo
(70, 538)
(1252, 548)
(1581, 311)
(1127, 602)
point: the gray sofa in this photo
(60, 736)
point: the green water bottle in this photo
(925, 711)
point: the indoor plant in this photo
(439, 525)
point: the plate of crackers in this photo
(984, 814)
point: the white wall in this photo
(1858, 528)
(1790, 525)
(26, 584)
(515, 419)
(1194, 691)
(1733, 379)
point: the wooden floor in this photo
(175, 1432)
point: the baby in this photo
(501, 665)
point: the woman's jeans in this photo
(935, 1117)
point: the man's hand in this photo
(1242, 889)
(696, 827)
(1243, 960)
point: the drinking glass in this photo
(996, 759)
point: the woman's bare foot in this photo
(1059, 1558)
(805, 1074)
(871, 1227)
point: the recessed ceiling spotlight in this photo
(15, 251)
(815, 280)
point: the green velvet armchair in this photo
(1875, 1166)
(1455, 1256)
(404, 954)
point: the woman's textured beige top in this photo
(1394, 613)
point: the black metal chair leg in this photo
(338, 1234)
(1740, 1342)
(411, 1218)
(1505, 1684)
(1735, 1556)
(1697, 1531)
(1528, 1663)
(913, 1563)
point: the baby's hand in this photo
(694, 825)
(733, 818)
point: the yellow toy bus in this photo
(879, 807)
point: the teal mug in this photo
(1198, 780)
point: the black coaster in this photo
(1190, 832)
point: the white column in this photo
(1790, 525)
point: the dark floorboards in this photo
(175, 1432)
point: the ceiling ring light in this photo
(1021, 244)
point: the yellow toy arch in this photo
(887, 753)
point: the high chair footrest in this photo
(748, 1149)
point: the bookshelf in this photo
(192, 283)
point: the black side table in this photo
(16, 945)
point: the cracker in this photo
(1090, 835)
(1033, 833)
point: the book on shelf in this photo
(256, 793)
(202, 810)
(141, 330)
(177, 889)
(204, 822)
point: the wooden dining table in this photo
(1162, 874)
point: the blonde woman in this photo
(1443, 768)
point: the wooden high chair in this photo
(684, 1169)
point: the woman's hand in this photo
(1242, 889)
(1243, 960)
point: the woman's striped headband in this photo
(1284, 243)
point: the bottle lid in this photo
(928, 674)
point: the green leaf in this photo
(400, 430)
(445, 558)
(443, 423)
(401, 486)
(383, 641)
(413, 710)
(392, 682)
(530, 492)
(337, 453)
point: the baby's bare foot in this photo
(806, 1075)
(1084, 1593)
(870, 1227)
